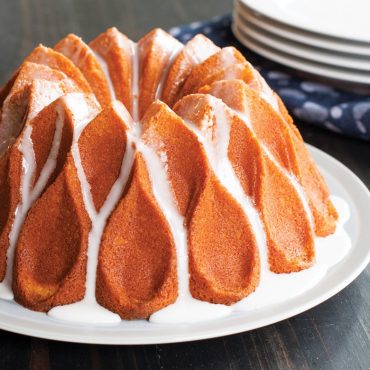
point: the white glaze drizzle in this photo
(162, 81)
(270, 97)
(228, 60)
(267, 94)
(88, 310)
(270, 283)
(296, 186)
(202, 53)
(292, 179)
(104, 67)
(45, 92)
(76, 56)
(217, 153)
(29, 194)
(135, 81)
(186, 309)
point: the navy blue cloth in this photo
(341, 111)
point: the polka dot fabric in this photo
(340, 111)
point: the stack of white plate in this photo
(328, 38)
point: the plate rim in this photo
(298, 35)
(301, 64)
(308, 52)
(260, 9)
(87, 335)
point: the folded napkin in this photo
(337, 110)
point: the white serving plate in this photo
(298, 35)
(342, 182)
(346, 19)
(301, 64)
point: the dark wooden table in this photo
(334, 335)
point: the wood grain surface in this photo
(334, 335)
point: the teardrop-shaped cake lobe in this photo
(156, 51)
(102, 145)
(87, 62)
(227, 64)
(117, 52)
(34, 161)
(284, 142)
(223, 256)
(53, 59)
(34, 87)
(185, 161)
(137, 262)
(41, 283)
(195, 51)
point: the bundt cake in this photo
(145, 178)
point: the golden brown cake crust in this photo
(155, 50)
(53, 59)
(282, 138)
(116, 49)
(137, 262)
(80, 54)
(195, 52)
